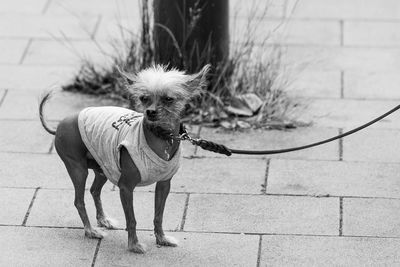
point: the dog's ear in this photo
(130, 79)
(198, 81)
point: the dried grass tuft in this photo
(247, 90)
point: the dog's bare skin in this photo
(159, 111)
(77, 160)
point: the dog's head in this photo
(162, 94)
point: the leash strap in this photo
(221, 149)
(204, 144)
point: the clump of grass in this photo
(246, 90)
(254, 76)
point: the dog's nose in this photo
(151, 114)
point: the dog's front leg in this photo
(162, 191)
(130, 177)
(126, 195)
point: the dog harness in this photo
(104, 130)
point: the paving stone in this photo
(378, 145)
(356, 9)
(118, 30)
(364, 179)
(67, 53)
(287, 31)
(350, 113)
(372, 85)
(315, 84)
(36, 170)
(263, 214)
(15, 50)
(32, 170)
(342, 58)
(24, 246)
(329, 251)
(36, 78)
(56, 208)
(122, 9)
(16, 26)
(220, 176)
(14, 204)
(24, 136)
(22, 7)
(60, 106)
(188, 150)
(194, 250)
(82, 9)
(371, 217)
(371, 33)
(274, 139)
(256, 9)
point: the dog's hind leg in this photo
(102, 220)
(72, 151)
(78, 174)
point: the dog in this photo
(129, 148)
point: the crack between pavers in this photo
(214, 232)
(46, 7)
(30, 207)
(341, 32)
(342, 84)
(341, 216)
(24, 54)
(51, 147)
(3, 97)
(184, 213)
(259, 252)
(219, 193)
(264, 186)
(96, 252)
(288, 13)
(340, 145)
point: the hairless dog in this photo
(127, 147)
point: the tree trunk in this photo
(191, 33)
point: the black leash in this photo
(218, 148)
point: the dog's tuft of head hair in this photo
(158, 79)
(162, 94)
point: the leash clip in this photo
(184, 136)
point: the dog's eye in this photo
(144, 99)
(168, 99)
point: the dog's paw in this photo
(137, 248)
(108, 223)
(94, 233)
(167, 241)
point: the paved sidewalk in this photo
(333, 205)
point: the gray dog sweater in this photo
(104, 130)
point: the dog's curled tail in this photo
(45, 97)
